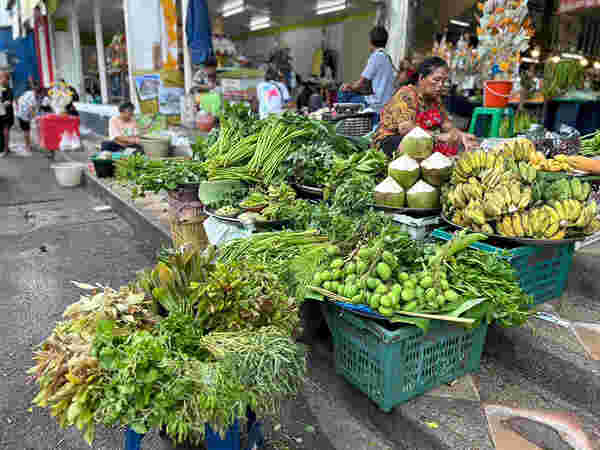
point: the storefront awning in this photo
(569, 6)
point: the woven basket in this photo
(189, 232)
(185, 210)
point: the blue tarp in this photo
(21, 53)
(199, 33)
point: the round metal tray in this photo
(310, 190)
(235, 220)
(524, 241)
(422, 212)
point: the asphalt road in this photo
(50, 236)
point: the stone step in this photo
(468, 414)
(560, 350)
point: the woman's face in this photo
(434, 83)
(126, 116)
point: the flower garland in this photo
(504, 32)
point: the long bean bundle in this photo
(273, 144)
(590, 144)
(275, 244)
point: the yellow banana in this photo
(517, 226)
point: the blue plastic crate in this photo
(542, 271)
(213, 441)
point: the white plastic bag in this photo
(75, 141)
(65, 142)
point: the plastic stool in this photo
(497, 114)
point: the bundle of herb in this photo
(68, 371)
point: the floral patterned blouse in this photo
(407, 109)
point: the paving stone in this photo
(589, 336)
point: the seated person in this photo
(420, 104)
(123, 130)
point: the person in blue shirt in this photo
(377, 78)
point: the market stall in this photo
(409, 258)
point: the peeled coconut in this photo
(389, 193)
(405, 171)
(423, 196)
(418, 144)
(436, 169)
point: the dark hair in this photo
(272, 74)
(379, 36)
(211, 61)
(427, 67)
(127, 106)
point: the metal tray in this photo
(235, 220)
(422, 212)
(311, 190)
(523, 241)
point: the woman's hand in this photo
(469, 141)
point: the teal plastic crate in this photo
(542, 271)
(393, 366)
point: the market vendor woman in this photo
(420, 105)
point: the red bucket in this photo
(497, 93)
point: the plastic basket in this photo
(542, 271)
(417, 228)
(355, 126)
(391, 367)
(189, 232)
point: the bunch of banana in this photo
(520, 149)
(593, 227)
(537, 159)
(494, 204)
(588, 214)
(475, 213)
(568, 211)
(460, 219)
(511, 226)
(545, 223)
(485, 228)
(528, 172)
(558, 164)
(580, 191)
(515, 199)
(457, 197)
(490, 178)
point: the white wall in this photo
(144, 31)
(64, 57)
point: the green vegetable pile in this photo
(444, 279)
(193, 341)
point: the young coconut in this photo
(389, 193)
(418, 144)
(423, 196)
(405, 171)
(436, 169)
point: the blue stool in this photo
(486, 122)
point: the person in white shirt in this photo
(27, 108)
(273, 96)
